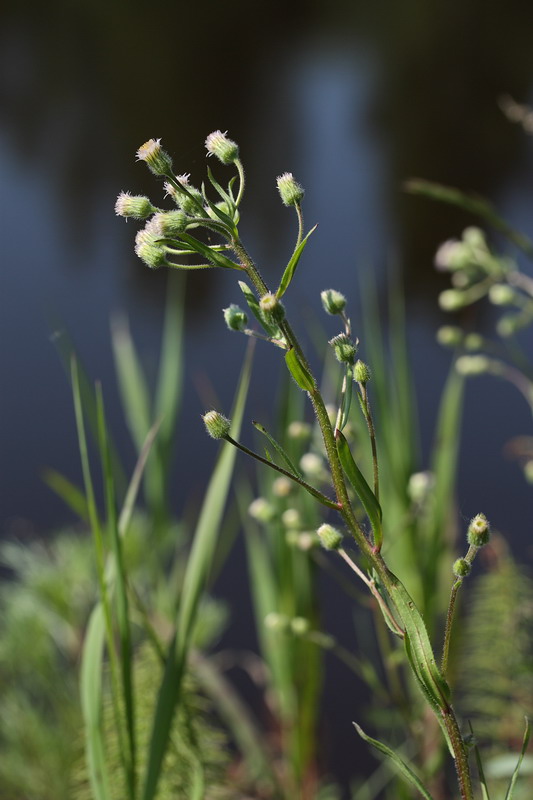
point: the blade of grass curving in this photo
(480, 770)
(471, 203)
(91, 703)
(121, 595)
(403, 768)
(68, 492)
(198, 565)
(525, 742)
(132, 384)
(290, 269)
(279, 449)
(135, 482)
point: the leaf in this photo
(300, 374)
(361, 487)
(198, 566)
(253, 305)
(403, 768)
(290, 269)
(91, 703)
(68, 492)
(525, 742)
(204, 250)
(481, 773)
(278, 448)
(132, 382)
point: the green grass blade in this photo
(121, 596)
(403, 768)
(203, 548)
(68, 492)
(169, 382)
(135, 482)
(290, 269)
(131, 381)
(525, 742)
(91, 703)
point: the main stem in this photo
(348, 515)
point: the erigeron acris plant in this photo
(170, 239)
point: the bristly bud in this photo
(135, 206)
(334, 302)
(149, 248)
(330, 537)
(461, 568)
(344, 348)
(235, 318)
(157, 160)
(290, 191)
(452, 300)
(478, 531)
(169, 224)
(449, 336)
(272, 307)
(183, 200)
(502, 295)
(216, 424)
(219, 145)
(261, 510)
(361, 372)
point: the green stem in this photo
(300, 225)
(372, 433)
(240, 168)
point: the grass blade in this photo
(525, 742)
(204, 545)
(403, 768)
(68, 492)
(131, 381)
(169, 381)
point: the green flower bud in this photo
(183, 200)
(271, 307)
(169, 224)
(333, 302)
(149, 248)
(137, 207)
(277, 622)
(361, 372)
(300, 626)
(478, 531)
(344, 348)
(157, 160)
(419, 486)
(452, 300)
(218, 144)
(473, 341)
(290, 191)
(235, 318)
(461, 568)
(282, 487)
(508, 325)
(291, 518)
(451, 256)
(216, 424)
(261, 510)
(330, 537)
(502, 295)
(449, 336)
(472, 365)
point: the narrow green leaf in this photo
(403, 768)
(198, 566)
(132, 383)
(91, 703)
(68, 492)
(218, 188)
(223, 217)
(279, 449)
(480, 770)
(204, 250)
(361, 487)
(525, 742)
(300, 374)
(346, 397)
(290, 269)
(253, 305)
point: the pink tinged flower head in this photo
(157, 159)
(218, 144)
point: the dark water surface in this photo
(353, 98)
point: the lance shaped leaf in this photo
(290, 269)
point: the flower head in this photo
(157, 159)
(290, 191)
(218, 144)
(137, 207)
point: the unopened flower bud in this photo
(361, 372)
(502, 295)
(183, 200)
(508, 325)
(330, 537)
(419, 486)
(290, 191)
(473, 341)
(277, 622)
(344, 348)
(150, 249)
(272, 307)
(472, 365)
(282, 487)
(291, 518)
(300, 626)
(216, 424)
(235, 318)
(137, 207)
(261, 510)
(449, 336)
(218, 144)
(478, 531)
(452, 300)
(450, 256)
(157, 160)
(169, 224)
(461, 568)
(334, 302)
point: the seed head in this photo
(216, 424)
(290, 191)
(218, 144)
(157, 160)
